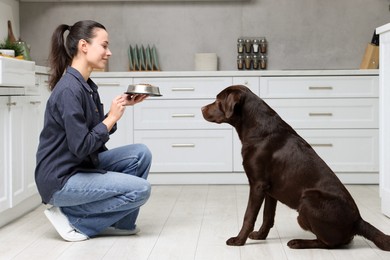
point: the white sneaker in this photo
(62, 225)
(111, 231)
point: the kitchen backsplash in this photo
(9, 10)
(302, 34)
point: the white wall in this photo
(9, 10)
(302, 34)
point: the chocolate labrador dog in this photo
(282, 166)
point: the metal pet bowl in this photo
(145, 89)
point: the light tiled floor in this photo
(191, 222)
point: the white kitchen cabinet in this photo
(338, 116)
(20, 126)
(170, 115)
(173, 127)
(21, 122)
(26, 125)
(183, 151)
(109, 88)
(352, 86)
(188, 87)
(384, 77)
(251, 82)
(5, 201)
(341, 113)
(336, 112)
(345, 150)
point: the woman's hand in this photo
(118, 106)
(131, 100)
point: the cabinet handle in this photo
(107, 84)
(320, 88)
(11, 104)
(35, 102)
(183, 145)
(183, 89)
(182, 115)
(321, 145)
(320, 114)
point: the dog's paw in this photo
(235, 241)
(256, 235)
(295, 244)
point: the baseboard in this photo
(19, 210)
(240, 178)
(385, 201)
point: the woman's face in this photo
(98, 52)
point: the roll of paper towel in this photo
(206, 61)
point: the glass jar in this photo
(248, 62)
(240, 62)
(248, 45)
(263, 62)
(263, 45)
(240, 45)
(255, 62)
(256, 45)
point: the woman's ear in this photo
(83, 45)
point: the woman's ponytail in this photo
(59, 58)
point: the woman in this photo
(93, 190)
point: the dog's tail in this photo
(370, 232)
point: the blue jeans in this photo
(94, 201)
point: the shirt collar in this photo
(89, 85)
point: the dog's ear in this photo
(230, 103)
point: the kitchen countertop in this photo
(41, 70)
(236, 73)
(269, 73)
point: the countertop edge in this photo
(41, 70)
(267, 73)
(232, 73)
(383, 28)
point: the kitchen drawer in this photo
(347, 151)
(252, 83)
(34, 89)
(188, 88)
(319, 87)
(173, 114)
(188, 150)
(122, 83)
(327, 113)
(124, 133)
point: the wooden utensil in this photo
(11, 36)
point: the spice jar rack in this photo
(252, 53)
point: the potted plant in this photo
(8, 45)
